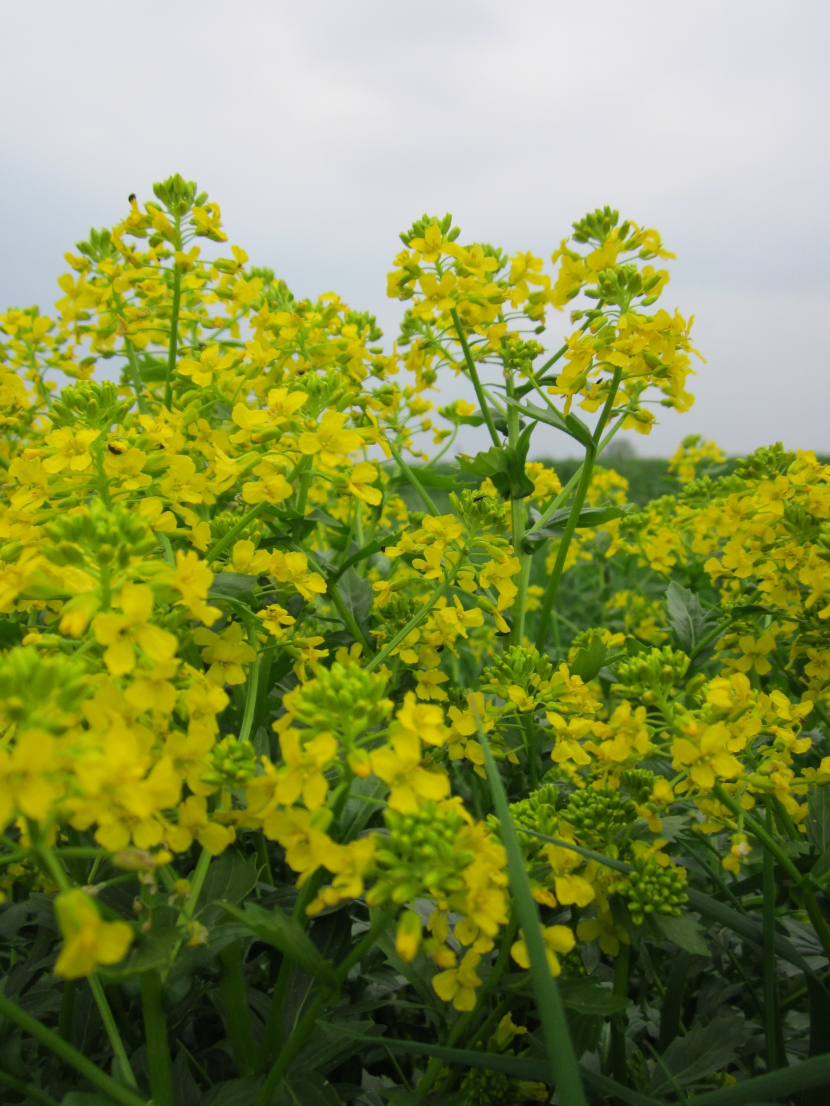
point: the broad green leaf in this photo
(704, 1050)
(85, 1098)
(682, 931)
(687, 617)
(589, 519)
(286, 934)
(589, 661)
(230, 879)
(236, 1092)
(233, 585)
(809, 1074)
(504, 465)
(429, 478)
(818, 818)
(11, 633)
(356, 593)
(745, 927)
(585, 996)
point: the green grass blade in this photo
(564, 1068)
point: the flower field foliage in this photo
(312, 791)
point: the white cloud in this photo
(324, 129)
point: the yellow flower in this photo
(225, 653)
(292, 568)
(399, 765)
(603, 927)
(194, 822)
(192, 579)
(330, 440)
(408, 936)
(754, 653)
(707, 758)
(458, 985)
(303, 769)
(71, 450)
(121, 632)
(558, 939)
(248, 560)
(364, 474)
(87, 940)
(422, 719)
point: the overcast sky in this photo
(324, 128)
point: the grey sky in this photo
(323, 129)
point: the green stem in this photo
(619, 1062)
(561, 1058)
(252, 690)
(236, 1010)
(174, 331)
(518, 517)
(155, 1035)
(349, 619)
(380, 921)
(113, 1036)
(30, 1092)
(67, 1013)
(570, 528)
(770, 1003)
(473, 371)
(816, 917)
(202, 866)
(295, 1042)
(237, 528)
(135, 373)
(271, 1041)
(413, 480)
(68, 1054)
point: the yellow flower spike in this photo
(408, 936)
(330, 440)
(399, 765)
(122, 632)
(87, 940)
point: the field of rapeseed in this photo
(334, 770)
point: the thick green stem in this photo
(473, 371)
(155, 1035)
(113, 1036)
(770, 996)
(67, 1014)
(33, 1094)
(564, 545)
(579, 501)
(173, 344)
(295, 1042)
(68, 1054)
(234, 996)
(236, 529)
(518, 516)
(135, 374)
(349, 619)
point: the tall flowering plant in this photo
(332, 771)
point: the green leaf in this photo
(589, 660)
(356, 593)
(563, 1063)
(286, 934)
(688, 619)
(504, 465)
(811, 1073)
(11, 633)
(682, 931)
(229, 879)
(585, 996)
(589, 519)
(84, 1098)
(745, 927)
(236, 1092)
(818, 818)
(703, 1051)
(151, 954)
(233, 585)
(429, 478)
